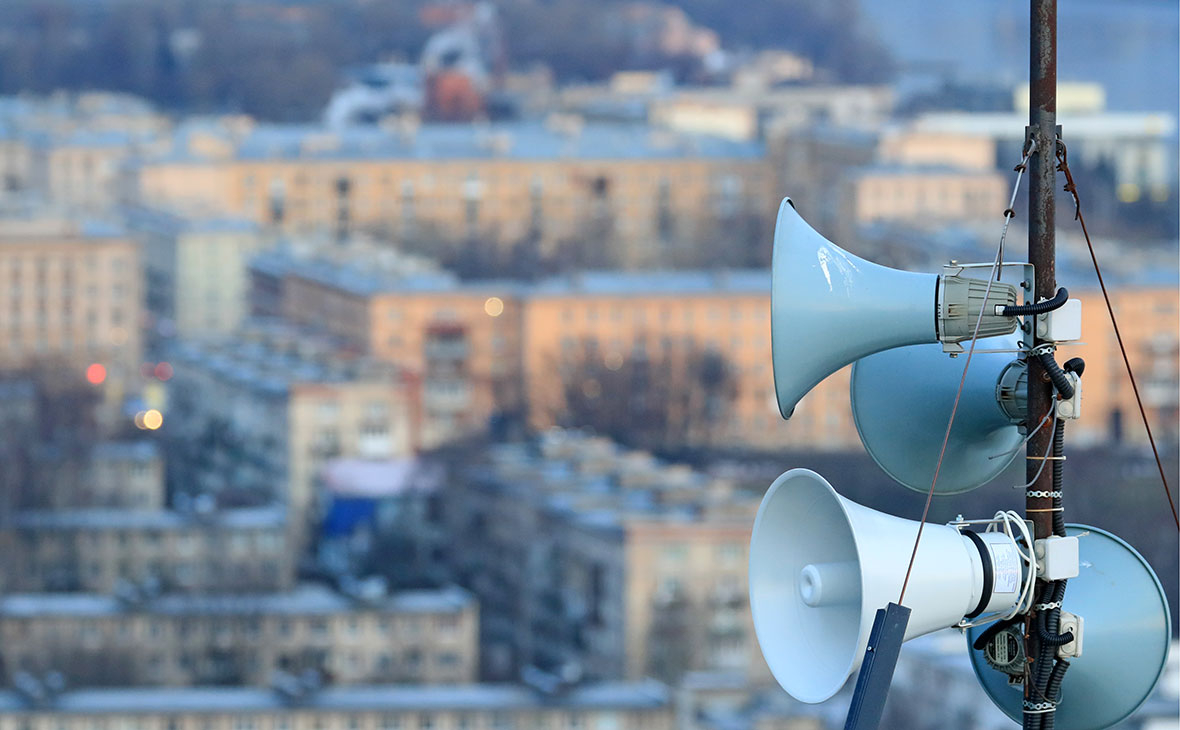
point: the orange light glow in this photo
(153, 419)
(96, 374)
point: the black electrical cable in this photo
(992, 629)
(1075, 365)
(1058, 477)
(1059, 299)
(1053, 692)
(1060, 380)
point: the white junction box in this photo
(1057, 557)
(1073, 624)
(1063, 324)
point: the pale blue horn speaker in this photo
(902, 399)
(830, 308)
(1125, 637)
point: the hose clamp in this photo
(1032, 708)
(1043, 493)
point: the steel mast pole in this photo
(1042, 130)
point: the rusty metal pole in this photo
(1042, 129)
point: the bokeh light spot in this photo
(96, 374)
(153, 419)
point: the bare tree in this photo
(678, 398)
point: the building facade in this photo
(107, 550)
(630, 187)
(71, 295)
(179, 640)
(195, 271)
(594, 562)
(256, 415)
(646, 705)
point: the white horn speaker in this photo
(829, 307)
(1125, 635)
(916, 386)
(821, 566)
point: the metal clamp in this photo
(1033, 708)
(1047, 606)
(1043, 493)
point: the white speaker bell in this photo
(917, 385)
(1125, 637)
(821, 566)
(829, 307)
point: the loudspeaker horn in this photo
(1125, 637)
(821, 565)
(918, 384)
(830, 308)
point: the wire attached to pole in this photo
(1072, 188)
(993, 276)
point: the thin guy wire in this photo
(962, 380)
(1012, 454)
(1045, 456)
(1010, 211)
(1070, 187)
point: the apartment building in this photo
(630, 187)
(254, 416)
(106, 550)
(923, 196)
(195, 270)
(71, 295)
(181, 640)
(1149, 322)
(126, 475)
(644, 705)
(70, 149)
(459, 341)
(591, 561)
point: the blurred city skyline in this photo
(407, 365)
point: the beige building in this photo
(645, 705)
(1149, 321)
(460, 343)
(71, 295)
(665, 317)
(633, 187)
(923, 197)
(70, 149)
(195, 270)
(108, 550)
(524, 353)
(177, 640)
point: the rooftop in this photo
(596, 484)
(364, 282)
(641, 695)
(125, 519)
(306, 599)
(530, 141)
(273, 357)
